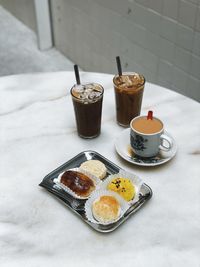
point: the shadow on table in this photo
(145, 168)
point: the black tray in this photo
(77, 205)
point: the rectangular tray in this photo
(77, 205)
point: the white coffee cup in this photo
(148, 145)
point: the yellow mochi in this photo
(123, 186)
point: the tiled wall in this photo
(159, 38)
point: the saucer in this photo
(123, 148)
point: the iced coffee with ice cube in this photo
(87, 100)
(129, 89)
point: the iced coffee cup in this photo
(129, 89)
(87, 100)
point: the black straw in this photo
(77, 74)
(119, 67)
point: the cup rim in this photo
(129, 73)
(82, 100)
(146, 133)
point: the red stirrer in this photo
(150, 115)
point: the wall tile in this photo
(166, 50)
(139, 55)
(120, 7)
(138, 14)
(179, 79)
(87, 57)
(81, 18)
(184, 37)
(153, 21)
(165, 71)
(197, 26)
(106, 65)
(196, 46)
(152, 42)
(187, 13)
(139, 35)
(143, 2)
(93, 42)
(84, 6)
(105, 16)
(193, 88)
(129, 64)
(100, 30)
(113, 20)
(195, 67)
(107, 50)
(170, 8)
(133, 31)
(145, 17)
(168, 29)
(156, 5)
(151, 61)
(194, 1)
(96, 16)
(127, 46)
(182, 59)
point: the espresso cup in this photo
(147, 137)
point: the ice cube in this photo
(137, 79)
(93, 95)
(79, 88)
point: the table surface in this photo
(38, 134)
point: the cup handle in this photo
(166, 138)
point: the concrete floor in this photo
(19, 52)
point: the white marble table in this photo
(38, 134)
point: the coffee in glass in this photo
(129, 89)
(87, 100)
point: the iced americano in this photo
(87, 100)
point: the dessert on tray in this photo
(78, 182)
(123, 186)
(106, 209)
(95, 167)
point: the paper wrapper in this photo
(95, 196)
(96, 181)
(137, 183)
